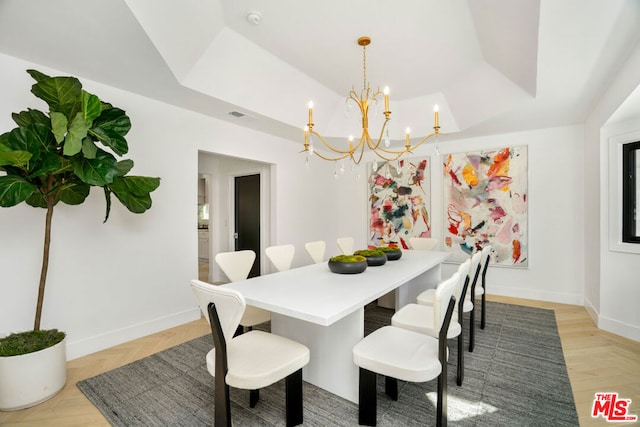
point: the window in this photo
(630, 192)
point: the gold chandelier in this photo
(363, 100)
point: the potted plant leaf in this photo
(52, 157)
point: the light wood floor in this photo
(597, 361)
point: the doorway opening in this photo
(222, 172)
(203, 227)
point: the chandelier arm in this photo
(353, 95)
(344, 156)
(355, 98)
(393, 152)
(377, 145)
(375, 148)
(357, 162)
(413, 147)
(389, 159)
(329, 146)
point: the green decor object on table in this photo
(375, 257)
(348, 264)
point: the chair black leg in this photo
(472, 321)
(368, 399)
(484, 307)
(391, 387)
(441, 404)
(460, 373)
(293, 392)
(222, 408)
(254, 396)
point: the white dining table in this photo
(325, 310)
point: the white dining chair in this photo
(281, 256)
(345, 244)
(316, 250)
(423, 243)
(236, 266)
(482, 290)
(426, 297)
(474, 273)
(250, 361)
(468, 305)
(402, 354)
(463, 305)
(424, 319)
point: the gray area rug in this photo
(516, 376)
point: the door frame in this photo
(265, 211)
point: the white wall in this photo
(556, 197)
(619, 288)
(556, 241)
(612, 291)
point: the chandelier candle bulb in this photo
(386, 98)
(310, 113)
(436, 109)
(408, 136)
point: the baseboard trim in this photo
(591, 310)
(76, 349)
(619, 328)
(562, 298)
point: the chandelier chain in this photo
(364, 66)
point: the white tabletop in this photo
(315, 294)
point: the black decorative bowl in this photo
(347, 267)
(393, 255)
(376, 260)
(375, 257)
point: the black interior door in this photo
(247, 217)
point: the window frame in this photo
(630, 226)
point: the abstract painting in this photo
(399, 202)
(485, 202)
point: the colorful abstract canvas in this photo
(485, 202)
(399, 202)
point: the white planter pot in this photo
(32, 378)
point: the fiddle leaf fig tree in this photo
(59, 156)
